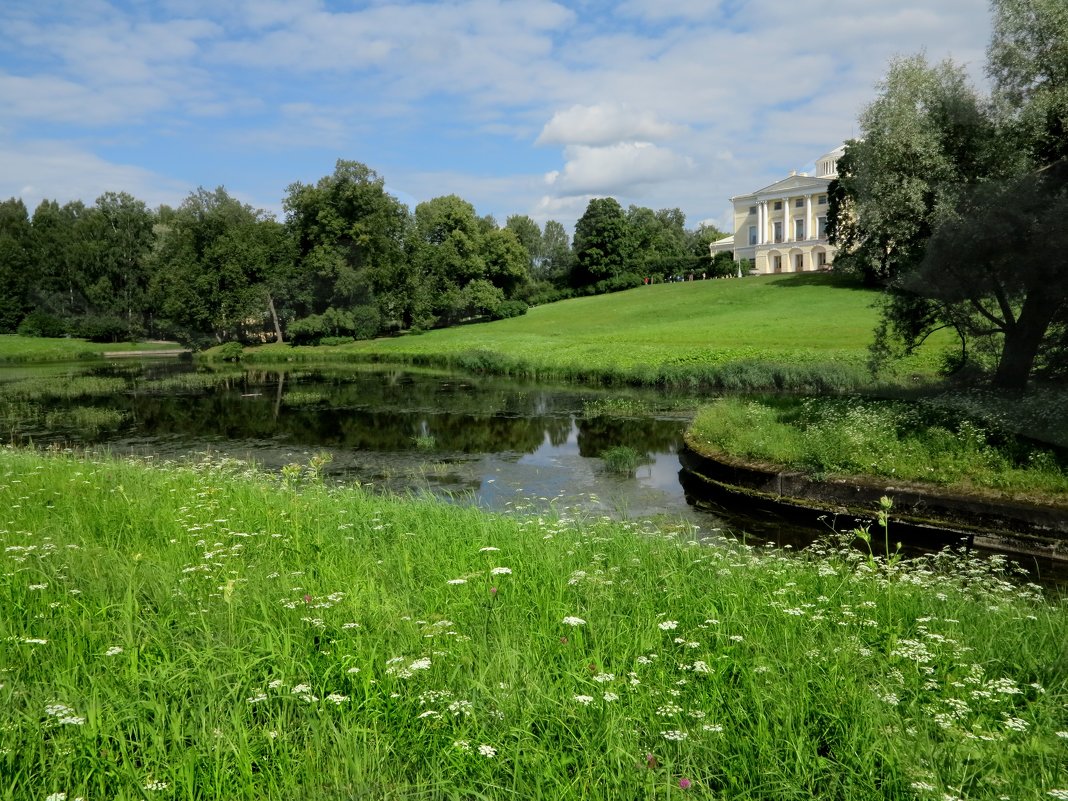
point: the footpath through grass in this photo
(209, 632)
(785, 332)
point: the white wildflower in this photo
(501, 571)
(571, 620)
(487, 751)
(585, 700)
(667, 625)
(674, 734)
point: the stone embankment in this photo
(926, 516)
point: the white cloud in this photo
(602, 124)
(63, 172)
(617, 169)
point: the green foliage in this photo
(336, 325)
(622, 460)
(602, 245)
(923, 441)
(348, 645)
(41, 324)
(956, 202)
(230, 352)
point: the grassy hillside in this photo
(667, 330)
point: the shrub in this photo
(511, 308)
(230, 352)
(104, 328)
(41, 324)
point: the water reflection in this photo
(491, 441)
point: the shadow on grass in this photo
(834, 280)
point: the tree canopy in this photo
(955, 202)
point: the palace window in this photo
(752, 209)
(799, 203)
(799, 230)
(778, 205)
(823, 200)
(752, 234)
(821, 226)
(777, 230)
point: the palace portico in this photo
(783, 227)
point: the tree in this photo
(602, 243)
(658, 241)
(530, 237)
(557, 257)
(16, 259)
(998, 268)
(220, 266)
(119, 236)
(349, 235)
(956, 203)
(507, 261)
(925, 137)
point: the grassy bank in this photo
(784, 332)
(208, 632)
(933, 440)
(16, 349)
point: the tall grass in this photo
(918, 441)
(207, 632)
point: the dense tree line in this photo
(957, 203)
(350, 261)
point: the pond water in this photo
(489, 441)
(497, 443)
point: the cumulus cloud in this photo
(602, 124)
(616, 169)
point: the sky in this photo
(527, 107)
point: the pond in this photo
(489, 441)
(500, 444)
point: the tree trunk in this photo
(1023, 339)
(274, 319)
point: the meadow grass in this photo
(17, 349)
(771, 332)
(207, 632)
(925, 440)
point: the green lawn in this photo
(17, 349)
(660, 333)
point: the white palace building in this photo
(782, 228)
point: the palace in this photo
(782, 228)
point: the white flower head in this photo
(501, 571)
(667, 625)
(571, 620)
(487, 751)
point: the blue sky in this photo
(528, 107)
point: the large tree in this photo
(222, 266)
(349, 234)
(956, 203)
(602, 244)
